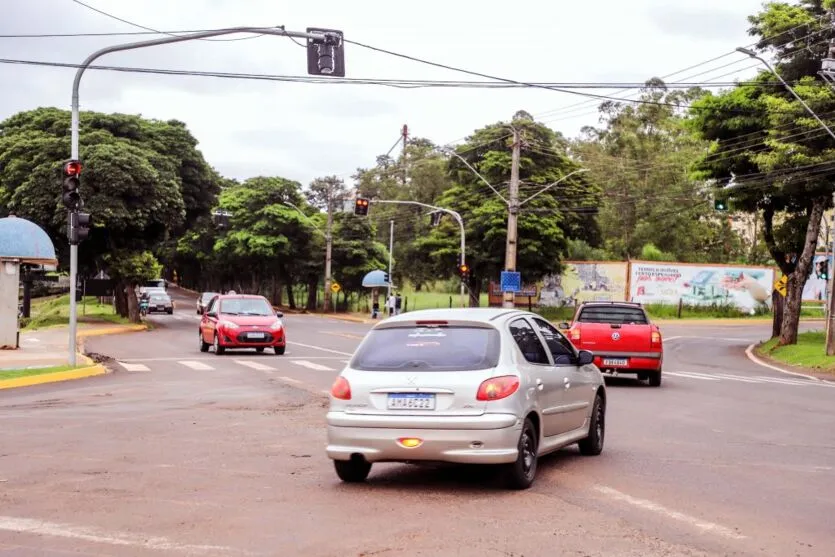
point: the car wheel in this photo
(218, 348)
(279, 350)
(520, 474)
(655, 379)
(170, 312)
(593, 444)
(204, 346)
(352, 471)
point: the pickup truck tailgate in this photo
(602, 338)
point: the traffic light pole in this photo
(457, 218)
(74, 123)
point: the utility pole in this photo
(404, 133)
(512, 216)
(328, 247)
(391, 249)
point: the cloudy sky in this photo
(301, 131)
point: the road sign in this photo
(335, 287)
(511, 281)
(780, 285)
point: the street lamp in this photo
(325, 56)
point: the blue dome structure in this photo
(24, 240)
(375, 279)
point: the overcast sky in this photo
(301, 131)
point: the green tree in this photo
(768, 155)
(545, 223)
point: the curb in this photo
(750, 353)
(112, 330)
(56, 377)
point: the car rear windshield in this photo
(246, 306)
(428, 349)
(615, 315)
(160, 298)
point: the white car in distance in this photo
(471, 386)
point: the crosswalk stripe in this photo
(689, 375)
(254, 365)
(134, 367)
(290, 379)
(195, 365)
(311, 365)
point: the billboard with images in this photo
(815, 288)
(583, 281)
(747, 288)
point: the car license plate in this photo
(615, 362)
(160, 307)
(256, 335)
(411, 401)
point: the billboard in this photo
(585, 281)
(747, 288)
(815, 288)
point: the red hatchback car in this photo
(241, 321)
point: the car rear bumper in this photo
(648, 362)
(496, 445)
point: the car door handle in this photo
(566, 382)
(539, 384)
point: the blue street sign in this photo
(511, 282)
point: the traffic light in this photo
(78, 229)
(72, 180)
(386, 278)
(326, 57)
(436, 218)
(464, 270)
(720, 204)
(361, 206)
(823, 270)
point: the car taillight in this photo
(341, 389)
(656, 337)
(575, 334)
(498, 388)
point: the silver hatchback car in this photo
(473, 386)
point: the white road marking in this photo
(670, 338)
(134, 367)
(212, 358)
(798, 382)
(311, 365)
(703, 525)
(31, 340)
(290, 379)
(324, 392)
(740, 378)
(254, 365)
(689, 375)
(69, 531)
(195, 365)
(320, 348)
(750, 353)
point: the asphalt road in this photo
(183, 452)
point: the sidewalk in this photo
(50, 347)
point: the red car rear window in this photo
(613, 315)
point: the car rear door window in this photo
(528, 342)
(613, 315)
(559, 346)
(418, 348)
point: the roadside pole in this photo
(324, 53)
(512, 217)
(328, 248)
(391, 250)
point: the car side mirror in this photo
(211, 314)
(584, 358)
(564, 326)
(279, 314)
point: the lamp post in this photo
(324, 56)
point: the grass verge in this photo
(16, 373)
(56, 311)
(809, 352)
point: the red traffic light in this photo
(72, 168)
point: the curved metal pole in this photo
(483, 179)
(549, 186)
(74, 125)
(458, 219)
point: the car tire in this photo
(219, 350)
(355, 470)
(279, 350)
(520, 474)
(204, 346)
(170, 312)
(593, 444)
(655, 379)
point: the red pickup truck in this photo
(621, 337)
